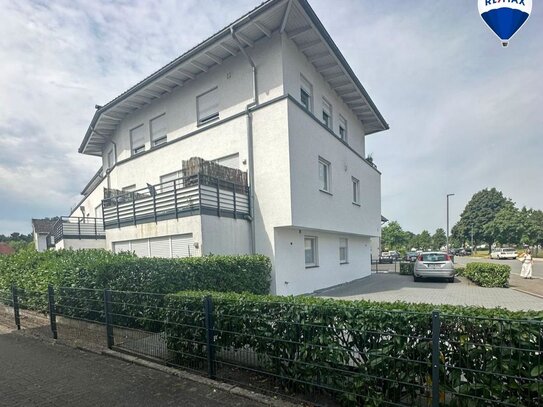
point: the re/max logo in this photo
(490, 2)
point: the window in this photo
(137, 140)
(110, 159)
(306, 93)
(128, 193)
(158, 130)
(356, 191)
(310, 248)
(324, 175)
(326, 113)
(165, 180)
(343, 250)
(98, 211)
(231, 161)
(130, 188)
(342, 128)
(207, 106)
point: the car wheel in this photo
(415, 278)
(451, 280)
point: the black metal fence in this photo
(321, 356)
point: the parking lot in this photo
(390, 287)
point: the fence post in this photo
(109, 323)
(436, 328)
(15, 298)
(208, 311)
(52, 311)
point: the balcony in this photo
(78, 228)
(187, 196)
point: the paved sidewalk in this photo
(394, 287)
(39, 373)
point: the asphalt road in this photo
(516, 265)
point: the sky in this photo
(464, 112)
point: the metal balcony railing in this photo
(70, 227)
(186, 196)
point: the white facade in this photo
(273, 138)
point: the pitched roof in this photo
(6, 248)
(295, 18)
(43, 225)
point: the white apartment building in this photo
(272, 101)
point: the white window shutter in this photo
(208, 105)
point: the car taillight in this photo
(419, 258)
(447, 257)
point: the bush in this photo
(460, 270)
(33, 271)
(355, 348)
(406, 269)
(487, 274)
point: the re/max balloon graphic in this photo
(505, 17)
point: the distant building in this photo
(42, 233)
(6, 249)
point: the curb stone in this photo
(229, 388)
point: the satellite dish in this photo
(505, 17)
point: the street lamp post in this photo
(448, 195)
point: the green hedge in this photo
(33, 271)
(488, 274)
(406, 269)
(361, 351)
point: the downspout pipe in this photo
(250, 137)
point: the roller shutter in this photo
(160, 247)
(182, 246)
(121, 247)
(140, 247)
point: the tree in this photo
(392, 236)
(532, 226)
(425, 240)
(439, 239)
(506, 227)
(480, 211)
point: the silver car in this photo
(434, 265)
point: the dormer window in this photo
(207, 106)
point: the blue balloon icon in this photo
(505, 17)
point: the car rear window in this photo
(434, 257)
(508, 250)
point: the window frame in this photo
(211, 118)
(315, 249)
(346, 247)
(307, 88)
(355, 192)
(134, 148)
(342, 125)
(327, 114)
(326, 164)
(163, 139)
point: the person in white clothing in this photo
(527, 262)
